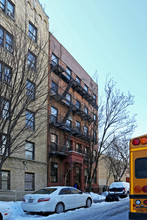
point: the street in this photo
(98, 211)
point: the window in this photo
(30, 90)
(54, 88)
(8, 7)
(79, 148)
(78, 79)
(78, 104)
(30, 120)
(5, 73)
(5, 108)
(65, 191)
(6, 40)
(68, 73)
(54, 60)
(32, 32)
(3, 143)
(2, 4)
(68, 123)
(78, 126)
(95, 137)
(54, 172)
(29, 182)
(54, 114)
(86, 110)
(141, 168)
(5, 180)
(85, 175)
(68, 99)
(54, 142)
(85, 130)
(94, 98)
(86, 88)
(29, 150)
(31, 60)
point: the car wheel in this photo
(88, 203)
(1, 217)
(59, 208)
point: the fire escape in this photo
(62, 122)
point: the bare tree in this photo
(114, 121)
(23, 90)
(117, 158)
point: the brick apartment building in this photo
(72, 113)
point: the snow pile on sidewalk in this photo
(97, 198)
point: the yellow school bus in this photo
(138, 178)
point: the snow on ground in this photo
(18, 213)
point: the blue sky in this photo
(110, 37)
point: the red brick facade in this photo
(72, 112)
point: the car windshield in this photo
(45, 191)
(116, 189)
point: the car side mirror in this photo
(81, 192)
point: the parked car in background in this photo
(5, 211)
(55, 199)
(120, 189)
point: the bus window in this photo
(141, 168)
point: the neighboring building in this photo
(72, 113)
(105, 175)
(23, 30)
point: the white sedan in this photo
(5, 211)
(55, 199)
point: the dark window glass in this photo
(8, 42)
(141, 168)
(75, 191)
(86, 110)
(68, 73)
(86, 88)
(1, 36)
(78, 126)
(31, 60)
(5, 108)
(30, 120)
(78, 104)
(85, 130)
(65, 191)
(32, 32)
(45, 191)
(30, 90)
(54, 172)
(10, 9)
(29, 150)
(94, 98)
(2, 4)
(68, 99)
(54, 59)
(3, 142)
(5, 73)
(78, 79)
(54, 87)
(68, 123)
(54, 114)
(54, 142)
(29, 181)
(5, 180)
